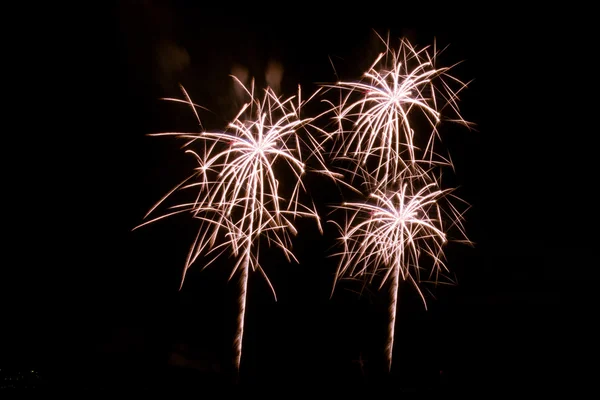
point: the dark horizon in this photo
(116, 318)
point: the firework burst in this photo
(396, 235)
(248, 183)
(375, 115)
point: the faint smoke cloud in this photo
(172, 60)
(241, 73)
(273, 75)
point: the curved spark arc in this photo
(392, 233)
(380, 107)
(239, 197)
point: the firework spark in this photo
(240, 196)
(381, 109)
(397, 234)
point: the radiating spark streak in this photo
(375, 115)
(239, 196)
(392, 234)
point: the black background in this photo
(89, 303)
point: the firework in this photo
(248, 184)
(402, 229)
(396, 235)
(375, 116)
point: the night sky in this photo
(91, 303)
